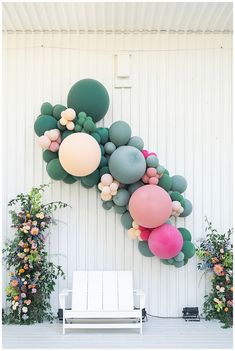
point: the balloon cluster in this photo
(130, 178)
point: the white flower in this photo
(221, 250)
(17, 303)
(222, 289)
(25, 316)
(25, 309)
(14, 307)
(23, 295)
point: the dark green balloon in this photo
(49, 155)
(103, 162)
(78, 128)
(166, 172)
(69, 179)
(66, 133)
(96, 136)
(62, 128)
(55, 170)
(176, 196)
(89, 126)
(85, 185)
(104, 134)
(133, 187)
(144, 249)
(46, 108)
(188, 249)
(165, 182)
(57, 109)
(107, 205)
(126, 220)
(90, 96)
(185, 261)
(188, 207)
(104, 170)
(165, 261)
(119, 209)
(92, 179)
(102, 149)
(44, 123)
(185, 234)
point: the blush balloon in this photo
(150, 206)
(54, 146)
(44, 141)
(165, 241)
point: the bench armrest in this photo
(141, 296)
(62, 295)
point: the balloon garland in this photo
(129, 178)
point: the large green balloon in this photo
(144, 249)
(46, 108)
(127, 164)
(120, 133)
(179, 183)
(55, 170)
(121, 198)
(133, 187)
(176, 196)
(43, 123)
(137, 142)
(188, 207)
(92, 179)
(90, 96)
(69, 179)
(49, 155)
(57, 109)
(188, 249)
(165, 182)
(185, 234)
(126, 220)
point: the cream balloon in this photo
(79, 154)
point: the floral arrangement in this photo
(216, 255)
(32, 275)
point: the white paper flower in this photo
(25, 309)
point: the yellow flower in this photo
(28, 215)
(226, 309)
(40, 215)
(21, 270)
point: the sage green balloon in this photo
(176, 196)
(188, 249)
(49, 155)
(165, 261)
(103, 162)
(121, 198)
(66, 133)
(133, 187)
(46, 108)
(120, 133)
(179, 183)
(92, 179)
(126, 220)
(165, 182)
(55, 170)
(137, 142)
(69, 179)
(90, 96)
(178, 264)
(57, 109)
(144, 249)
(44, 123)
(107, 205)
(179, 257)
(160, 169)
(152, 161)
(85, 185)
(119, 209)
(109, 147)
(185, 234)
(104, 134)
(104, 170)
(170, 260)
(188, 207)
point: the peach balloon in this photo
(106, 190)
(63, 121)
(70, 125)
(105, 197)
(150, 206)
(79, 154)
(68, 114)
(113, 186)
(106, 179)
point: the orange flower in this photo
(214, 260)
(16, 298)
(218, 269)
(14, 283)
(34, 231)
(21, 270)
(226, 309)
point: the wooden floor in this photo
(157, 334)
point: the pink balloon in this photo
(150, 206)
(151, 172)
(144, 235)
(145, 153)
(106, 179)
(145, 178)
(58, 140)
(153, 180)
(152, 153)
(165, 241)
(54, 146)
(53, 134)
(44, 141)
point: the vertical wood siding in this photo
(179, 103)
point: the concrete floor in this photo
(157, 334)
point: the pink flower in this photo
(34, 245)
(34, 231)
(218, 269)
(34, 291)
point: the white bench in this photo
(102, 295)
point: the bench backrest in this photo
(102, 291)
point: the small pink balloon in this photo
(44, 141)
(58, 140)
(152, 153)
(54, 146)
(145, 179)
(176, 206)
(153, 180)
(145, 234)
(145, 153)
(151, 172)
(165, 241)
(150, 206)
(70, 125)
(53, 134)
(106, 179)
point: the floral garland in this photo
(33, 277)
(215, 252)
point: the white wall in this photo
(179, 103)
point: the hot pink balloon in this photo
(150, 206)
(144, 235)
(145, 153)
(165, 241)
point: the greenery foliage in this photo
(216, 255)
(32, 275)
